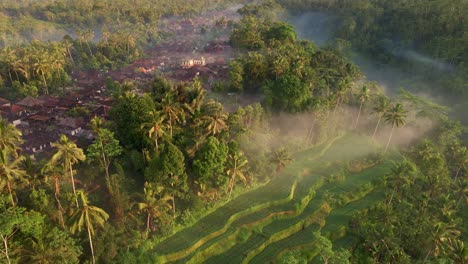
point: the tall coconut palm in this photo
(363, 97)
(237, 163)
(155, 128)
(442, 233)
(10, 172)
(171, 111)
(54, 172)
(213, 120)
(154, 204)
(280, 157)
(380, 108)
(68, 154)
(195, 97)
(460, 160)
(42, 65)
(87, 216)
(10, 137)
(395, 117)
(401, 177)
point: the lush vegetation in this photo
(427, 38)
(173, 177)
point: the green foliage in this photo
(293, 74)
(426, 38)
(406, 227)
(128, 115)
(288, 94)
(78, 111)
(168, 169)
(209, 164)
(293, 257)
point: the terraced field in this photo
(261, 225)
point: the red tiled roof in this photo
(39, 118)
(4, 101)
(30, 102)
(12, 109)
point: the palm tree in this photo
(213, 120)
(154, 203)
(10, 172)
(55, 172)
(363, 97)
(396, 117)
(87, 216)
(171, 111)
(41, 67)
(280, 157)
(402, 176)
(440, 236)
(237, 163)
(460, 159)
(380, 108)
(195, 97)
(156, 128)
(68, 154)
(10, 136)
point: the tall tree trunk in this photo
(233, 178)
(11, 79)
(156, 143)
(70, 55)
(389, 139)
(359, 114)
(11, 193)
(89, 48)
(46, 89)
(456, 174)
(73, 184)
(376, 127)
(5, 244)
(59, 205)
(391, 198)
(427, 256)
(173, 206)
(91, 243)
(170, 126)
(148, 218)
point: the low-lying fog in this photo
(319, 26)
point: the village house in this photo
(38, 141)
(14, 113)
(71, 125)
(4, 102)
(31, 103)
(193, 62)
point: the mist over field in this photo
(318, 26)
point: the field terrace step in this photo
(344, 148)
(270, 231)
(188, 240)
(337, 220)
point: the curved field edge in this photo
(335, 227)
(304, 240)
(295, 228)
(220, 247)
(216, 258)
(189, 250)
(303, 222)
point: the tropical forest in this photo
(234, 131)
